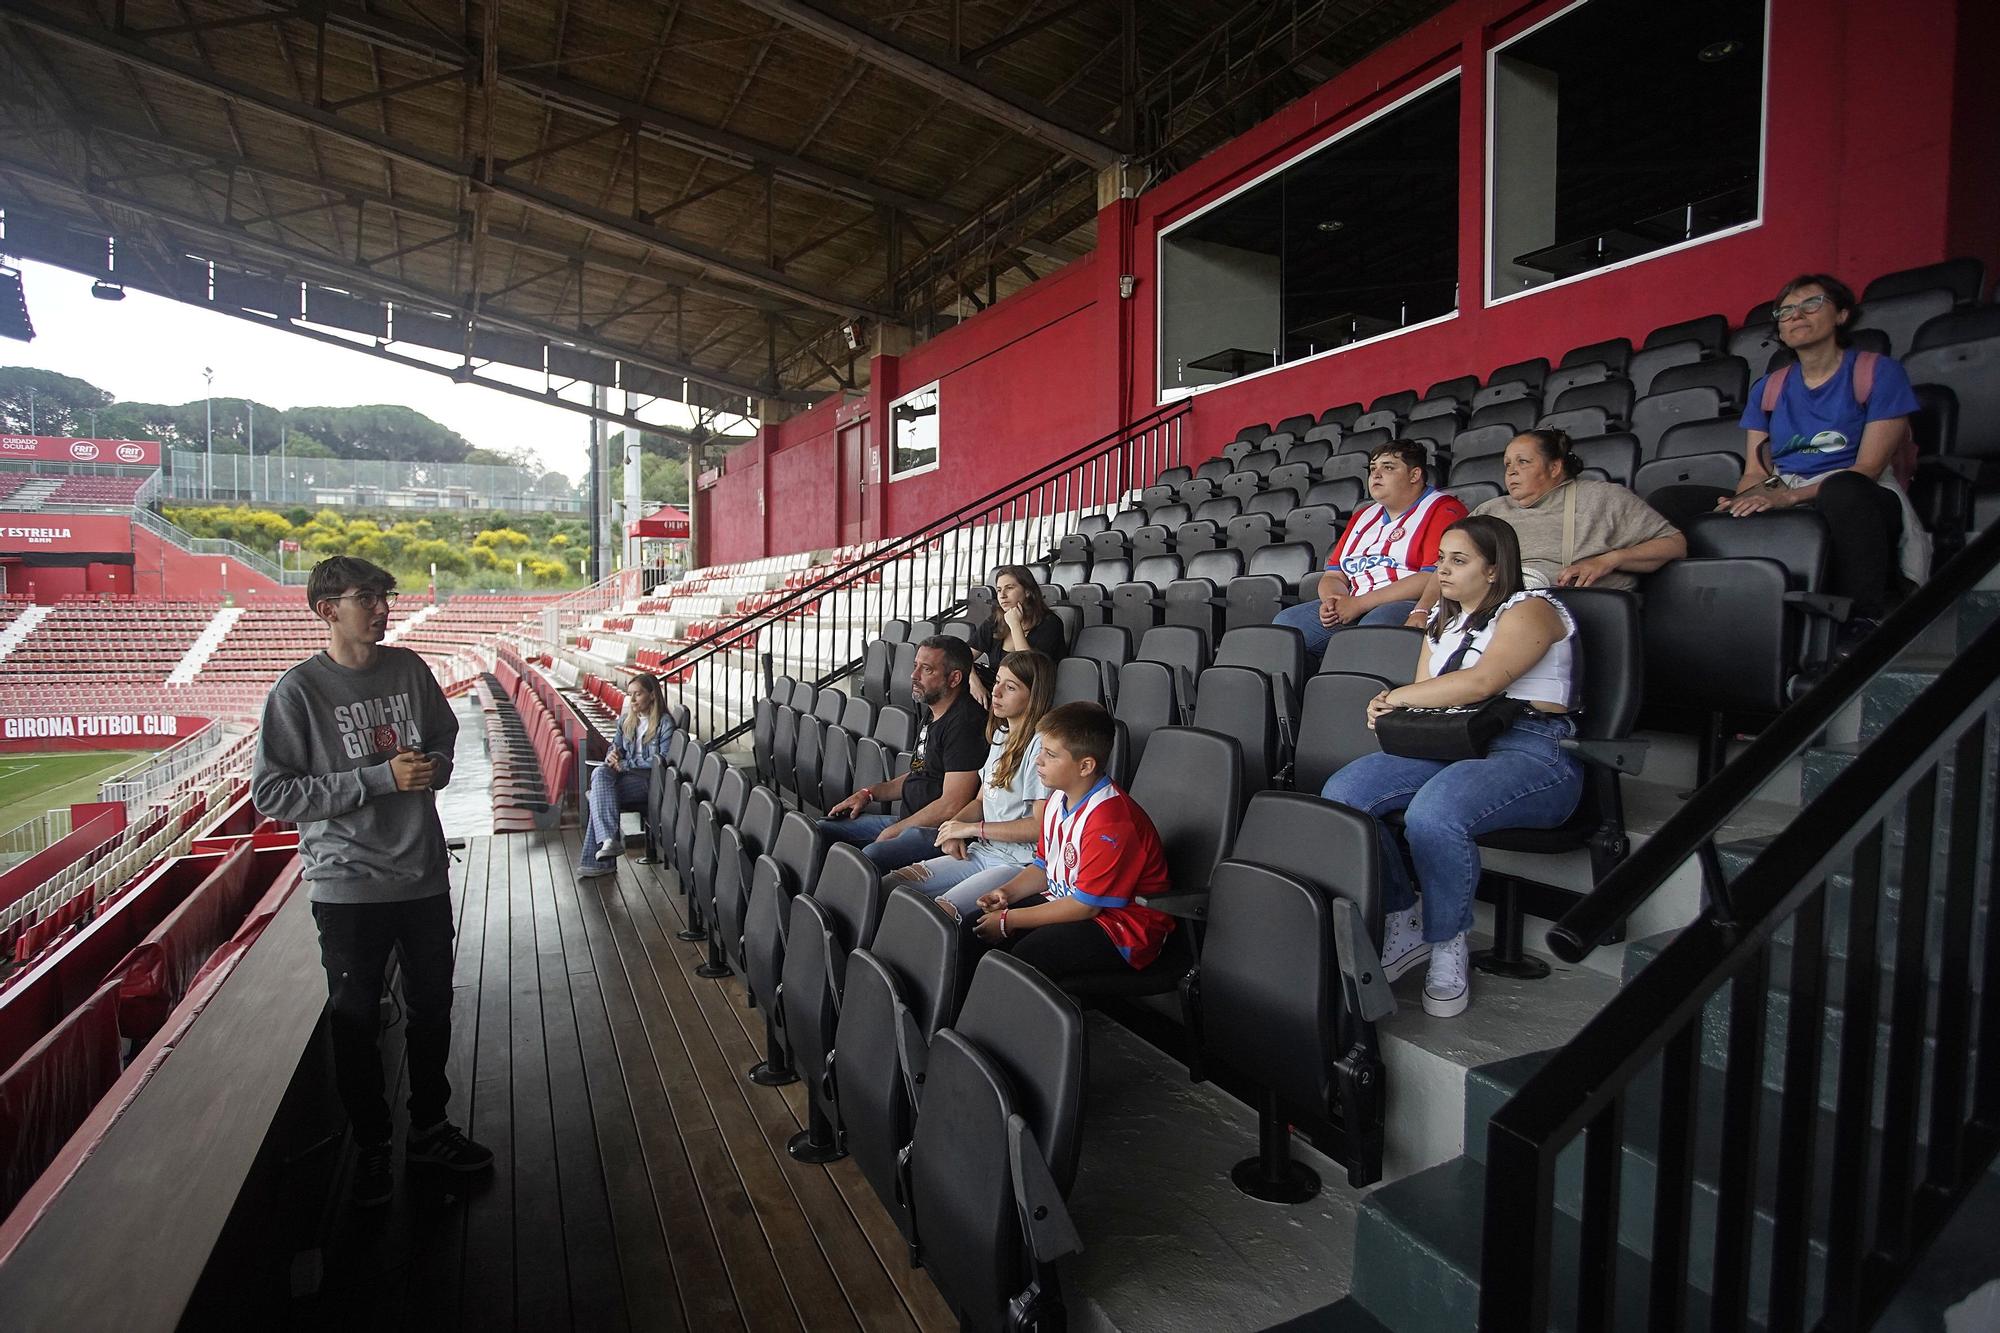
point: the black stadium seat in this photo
(1333, 727)
(1727, 375)
(1387, 651)
(995, 1147)
(1649, 362)
(1708, 331)
(1237, 701)
(1530, 372)
(789, 869)
(1616, 456)
(1899, 317)
(1964, 278)
(1611, 660)
(1289, 985)
(1612, 353)
(836, 918)
(899, 991)
(1656, 412)
(1560, 382)
(1614, 396)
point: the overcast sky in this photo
(152, 350)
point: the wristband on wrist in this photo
(1003, 923)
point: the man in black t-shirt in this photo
(944, 770)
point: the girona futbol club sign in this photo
(61, 449)
(95, 731)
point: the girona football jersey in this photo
(1376, 549)
(1104, 852)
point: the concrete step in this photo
(1416, 1258)
(1492, 1086)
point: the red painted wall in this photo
(1882, 131)
(161, 569)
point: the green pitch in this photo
(32, 783)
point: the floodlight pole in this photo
(208, 453)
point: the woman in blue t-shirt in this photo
(1829, 441)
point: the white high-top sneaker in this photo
(1448, 988)
(1403, 943)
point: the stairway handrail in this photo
(1608, 905)
(1659, 1015)
(796, 599)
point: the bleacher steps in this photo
(1429, 1059)
(404, 626)
(23, 625)
(1417, 1245)
(205, 644)
(32, 495)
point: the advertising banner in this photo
(58, 449)
(95, 731)
(30, 533)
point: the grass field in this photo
(32, 783)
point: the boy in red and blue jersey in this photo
(1076, 909)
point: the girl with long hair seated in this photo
(1487, 638)
(997, 828)
(1021, 623)
(621, 783)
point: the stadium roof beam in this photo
(682, 132)
(948, 79)
(236, 92)
(366, 279)
(449, 217)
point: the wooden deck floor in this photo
(641, 1180)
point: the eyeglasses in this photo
(368, 600)
(1810, 306)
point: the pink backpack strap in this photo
(1864, 375)
(1774, 384)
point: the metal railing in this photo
(1869, 902)
(187, 541)
(421, 488)
(818, 631)
(137, 783)
(609, 592)
(24, 840)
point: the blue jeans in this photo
(1525, 781)
(1305, 619)
(948, 878)
(861, 831)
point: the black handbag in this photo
(1447, 735)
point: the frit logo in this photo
(83, 451)
(131, 453)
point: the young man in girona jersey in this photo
(1074, 911)
(1384, 542)
(355, 741)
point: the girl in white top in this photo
(997, 829)
(1520, 645)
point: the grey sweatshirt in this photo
(323, 763)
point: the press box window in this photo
(1357, 239)
(1619, 128)
(913, 433)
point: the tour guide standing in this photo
(355, 741)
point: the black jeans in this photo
(1863, 520)
(354, 944)
(1073, 948)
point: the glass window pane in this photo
(1620, 128)
(1357, 239)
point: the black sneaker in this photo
(445, 1145)
(1852, 635)
(374, 1179)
